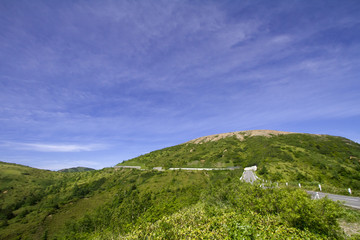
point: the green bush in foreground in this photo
(195, 223)
(131, 204)
(225, 210)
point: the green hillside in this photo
(133, 204)
(21, 185)
(306, 158)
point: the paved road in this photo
(249, 176)
(204, 169)
(353, 202)
(186, 169)
(134, 167)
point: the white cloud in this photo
(281, 39)
(40, 147)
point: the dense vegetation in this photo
(134, 204)
(76, 169)
(309, 159)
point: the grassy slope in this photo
(29, 196)
(110, 203)
(21, 183)
(75, 195)
(309, 159)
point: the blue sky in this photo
(93, 83)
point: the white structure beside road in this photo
(253, 168)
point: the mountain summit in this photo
(284, 156)
(239, 135)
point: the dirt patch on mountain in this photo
(239, 135)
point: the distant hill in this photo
(76, 169)
(280, 156)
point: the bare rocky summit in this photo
(240, 135)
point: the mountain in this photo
(76, 169)
(115, 203)
(280, 156)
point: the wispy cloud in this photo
(40, 147)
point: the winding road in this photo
(353, 202)
(248, 176)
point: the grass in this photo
(55, 223)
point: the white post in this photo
(320, 187)
(299, 185)
(317, 196)
(349, 191)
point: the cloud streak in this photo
(40, 147)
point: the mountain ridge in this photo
(242, 134)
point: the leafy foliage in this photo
(223, 208)
(134, 204)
